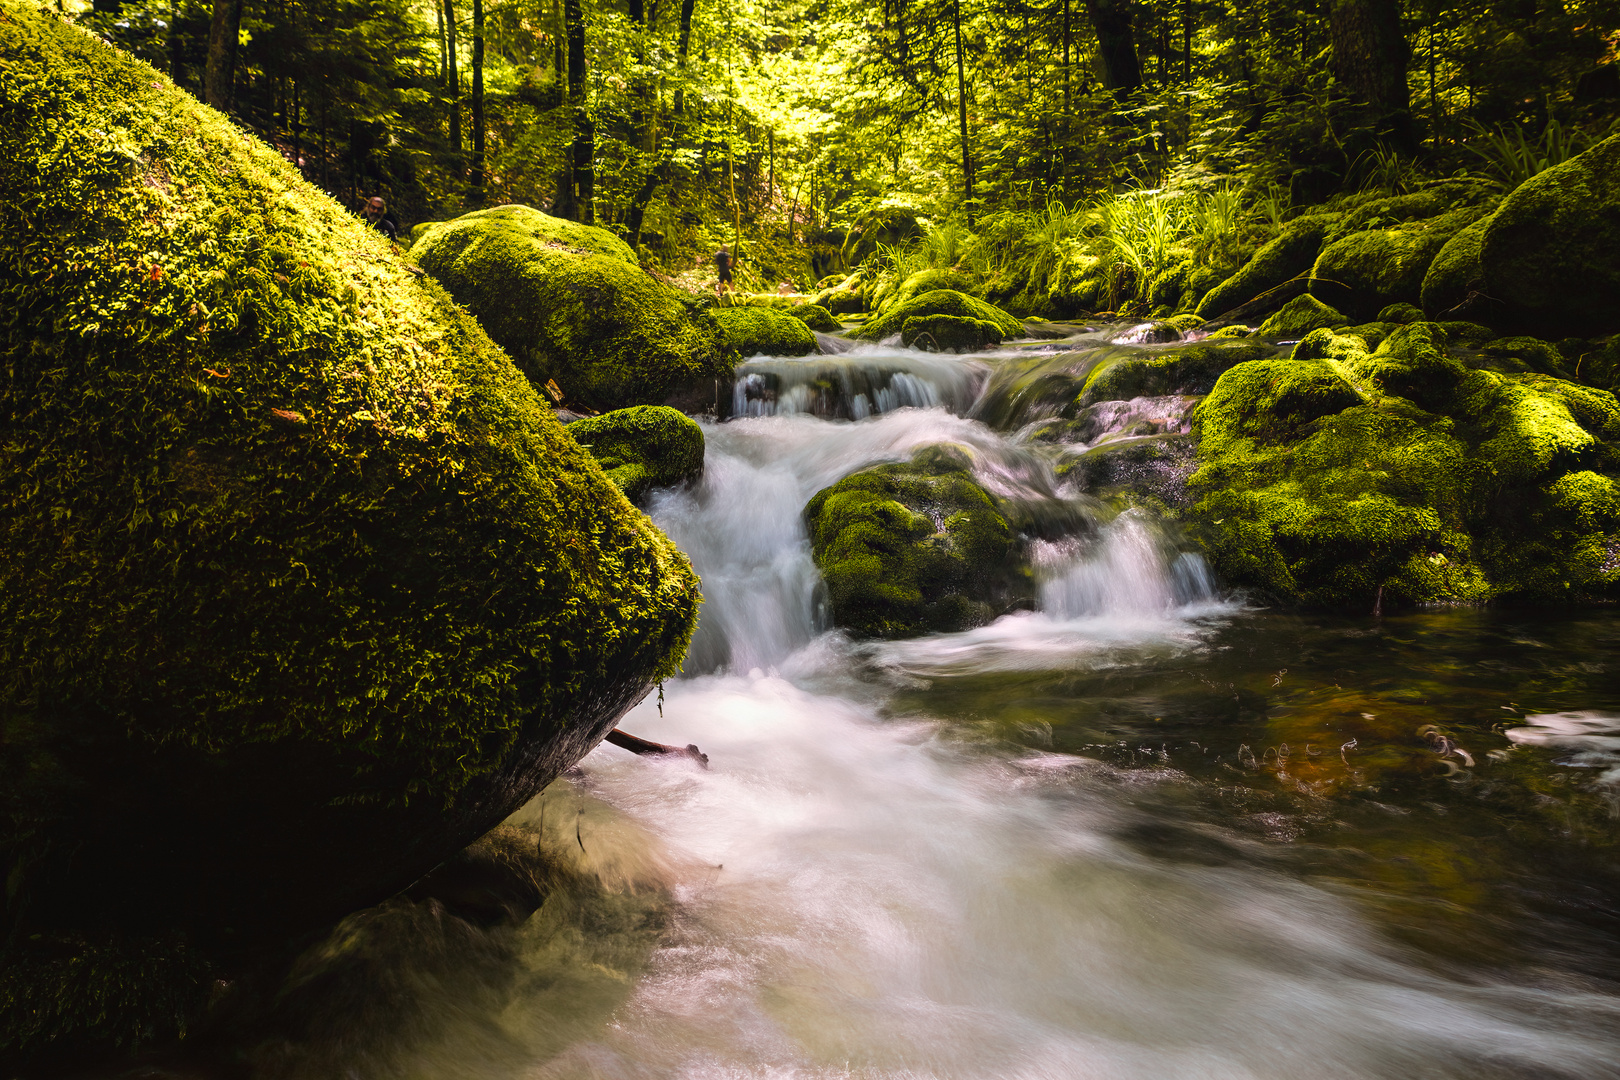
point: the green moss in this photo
(949, 333)
(1367, 271)
(1150, 465)
(1401, 314)
(302, 586)
(1236, 330)
(1341, 473)
(1290, 254)
(915, 547)
(419, 230)
(924, 281)
(1169, 287)
(762, 331)
(1454, 274)
(1184, 322)
(1551, 253)
(569, 304)
(643, 447)
(1139, 373)
(1523, 355)
(815, 317)
(939, 302)
(1299, 317)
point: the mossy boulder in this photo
(1155, 466)
(1454, 275)
(302, 587)
(643, 447)
(939, 302)
(419, 230)
(1523, 355)
(1339, 477)
(815, 317)
(1299, 317)
(949, 333)
(1366, 271)
(763, 331)
(1551, 253)
(1192, 369)
(915, 547)
(924, 281)
(569, 303)
(1291, 253)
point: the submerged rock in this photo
(949, 333)
(569, 303)
(763, 331)
(1156, 465)
(643, 447)
(915, 547)
(305, 589)
(1339, 476)
(939, 302)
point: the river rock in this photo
(302, 587)
(1366, 271)
(761, 331)
(643, 447)
(1341, 476)
(570, 304)
(949, 333)
(939, 302)
(815, 317)
(916, 547)
(1299, 317)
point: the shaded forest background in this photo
(820, 133)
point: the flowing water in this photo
(1146, 831)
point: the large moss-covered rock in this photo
(815, 317)
(763, 331)
(1300, 316)
(1340, 476)
(949, 333)
(302, 587)
(1551, 253)
(1454, 275)
(924, 281)
(643, 447)
(1289, 254)
(1367, 271)
(569, 303)
(915, 547)
(939, 302)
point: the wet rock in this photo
(259, 674)
(915, 547)
(1364, 272)
(763, 331)
(644, 447)
(1149, 465)
(569, 304)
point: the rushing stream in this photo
(1144, 832)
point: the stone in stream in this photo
(1299, 317)
(815, 317)
(949, 333)
(570, 304)
(916, 547)
(938, 302)
(1343, 475)
(644, 447)
(302, 587)
(761, 331)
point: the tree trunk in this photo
(223, 32)
(1068, 103)
(177, 46)
(583, 151)
(452, 79)
(1369, 63)
(962, 111)
(683, 48)
(1116, 44)
(476, 196)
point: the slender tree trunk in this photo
(452, 80)
(1116, 44)
(962, 110)
(223, 33)
(583, 151)
(444, 69)
(683, 48)
(1369, 63)
(1068, 103)
(177, 46)
(476, 196)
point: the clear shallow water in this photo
(1143, 832)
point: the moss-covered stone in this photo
(762, 331)
(924, 281)
(302, 587)
(1340, 476)
(1365, 272)
(569, 303)
(1169, 286)
(815, 317)
(1523, 355)
(1400, 314)
(419, 230)
(949, 333)
(1189, 370)
(938, 302)
(915, 547)
(643, 447)
(1454, 275)
(1299, 317)
(1152, 465)
(1289, 254)
(1551, 253)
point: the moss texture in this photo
(643, 447)
(1551, 253)
(1341, 475)
(949, 333)
(302, 587)
(938, 302)
(815, 317)
(1290, 254)
(916, 547)
(569, 303)
(1366, 271)
(1299, 317)
(1454, 274)
(924, 281)
(763, 331)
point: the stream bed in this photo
(1147, 831)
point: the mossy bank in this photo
(302, 587)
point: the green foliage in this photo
(1510, 157)
(643, 447)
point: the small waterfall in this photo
(1129, 571)
(868, 380)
